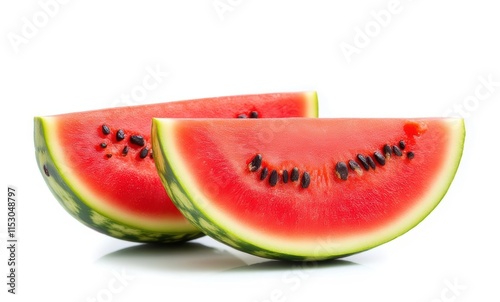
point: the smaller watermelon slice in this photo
(100, 166)
(307, 189)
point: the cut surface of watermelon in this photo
(307, 188)
(100, 165)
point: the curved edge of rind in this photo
(446, 184)
(443, 188)
(76, 206)
(418, 216)
(192, 207)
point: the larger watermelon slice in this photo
(99, 164)
(307, 188)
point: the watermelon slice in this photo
(307, 189)
(100, 166)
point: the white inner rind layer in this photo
(95, 202)
(313, 248)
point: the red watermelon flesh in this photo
(338, 208)
(100, 165)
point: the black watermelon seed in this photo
(151, 154)
(397, 151)
(273, 178)
(379, 158)
(263, 173)
(363, 161)
(103, 145)
(341, 170)
(354, 166)
(402, 145)
(125, 150)
(255, 164)
(242, 115)
(144, 152)
(46, 170)
(285, 176)
(109, 155)
(254, 114)
(295, 174)
(387, 151)
(306, 180)
(370, 162)
(137, 140)
(410, 155)
(120, 135)
(105, 130)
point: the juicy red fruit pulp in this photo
(330, 205)
(99, 145)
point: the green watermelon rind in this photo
(192, 207)
(195, 214)
(76, 205)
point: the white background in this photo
(428, 58)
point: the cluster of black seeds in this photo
(136, 140)
(367, 162)
(252, 114)
(342, 168)
(274, 175)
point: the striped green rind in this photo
(192, 208)
(75, 204)
(194, 205)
